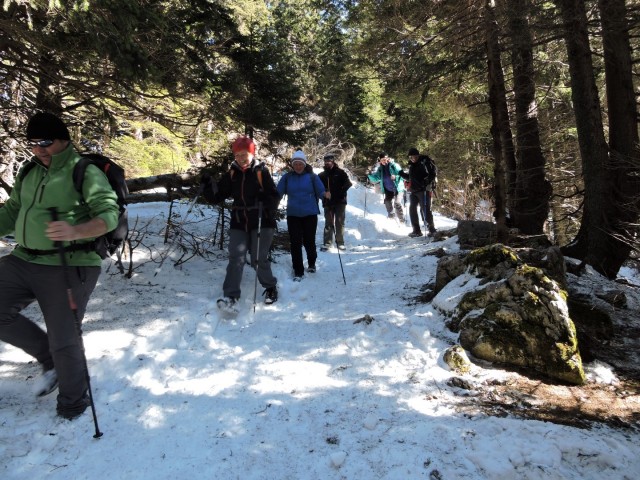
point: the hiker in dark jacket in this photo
(422, 177)
(303, 189)
(35, 269)
(253, 191)
(336, 183)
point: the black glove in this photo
(208, 185)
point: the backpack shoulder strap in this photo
(78, 172)
(258, 169)
(26, 169)
(313, 183)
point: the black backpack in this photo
(113, 241)
(430, 167)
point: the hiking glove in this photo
(209, 186)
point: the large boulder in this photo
(518, 317)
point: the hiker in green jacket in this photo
(35, 271)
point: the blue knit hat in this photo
(299, 156)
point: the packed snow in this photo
(342, 378)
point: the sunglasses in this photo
(40, 143)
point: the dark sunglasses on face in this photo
(40, 143)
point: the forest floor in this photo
(615, 405)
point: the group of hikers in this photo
(55, 225)
(253, 215)
(420, 182)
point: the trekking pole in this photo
(365, 197)
(74, 310)
(255, 283)
(186, 215)
(339, 257)
(424, 213)
(404, 207)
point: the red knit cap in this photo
(243, 144)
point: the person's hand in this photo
(206, 178)
(327, 195)
(393, 177)
(59, 231)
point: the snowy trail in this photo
(299, 390)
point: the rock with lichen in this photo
(457, 359)
(519, 317)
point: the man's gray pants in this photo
(22, 283)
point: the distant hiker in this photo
(303, 189)
(250, 185)
(59, 276)
(387, 173)
(336, 183)
(422, 177)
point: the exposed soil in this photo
(579, 406)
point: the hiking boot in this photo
(415, 234)
(46, 383)
(342, 247)
(324, 248)
(432, 232)
(71, 412)
(227, 302)
(270, 295)
(298, 278)
(391, 215)
(311, 269)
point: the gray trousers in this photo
(22, 283)
(240, 242)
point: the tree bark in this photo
(624, 162)
(503, 152)
(532, 188)
(593, 241)
(170, 181)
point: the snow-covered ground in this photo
(301, 389)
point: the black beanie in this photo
(413, 151)
(382, 155)
(46, 126)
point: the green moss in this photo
(492, 255)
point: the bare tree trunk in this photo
(624, 162)
(504, 188)
(593, 239)
(532, 188)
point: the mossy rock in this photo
(492, 256)
(457, 359)
(522, 321)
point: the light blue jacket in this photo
(303, 192)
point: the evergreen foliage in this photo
(367, 76)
